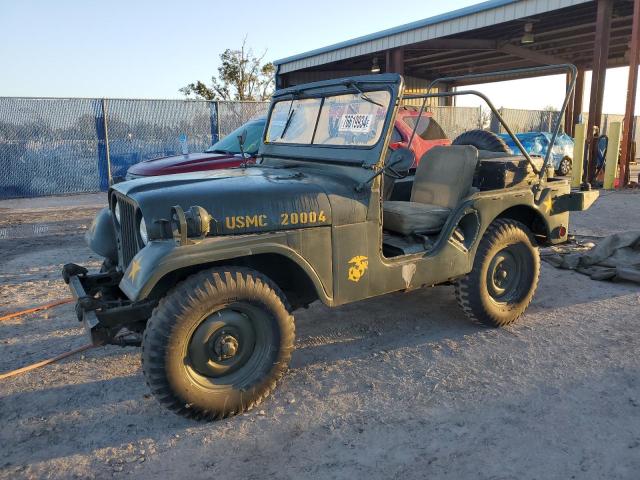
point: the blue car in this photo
(537, 143)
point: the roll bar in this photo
(569, 68)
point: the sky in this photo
(150, 49)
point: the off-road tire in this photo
(171, 331)
(565, 167)
(474, 291)
(482, 140)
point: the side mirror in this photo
(399, 162)
(242, 138)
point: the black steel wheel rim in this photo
(229, 345)
(507, 273)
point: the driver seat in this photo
(443, 178)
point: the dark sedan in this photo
(223, 154)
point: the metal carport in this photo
(592, 34)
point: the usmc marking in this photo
(285, 218)
(245, 221)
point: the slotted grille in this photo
(127, 231)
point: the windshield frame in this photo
(319, 115)
(360, 155)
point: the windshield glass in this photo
(350, 119)
(293, 122)
(230, 144)
(428, 128)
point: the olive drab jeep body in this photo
(205, 269)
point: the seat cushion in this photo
(407, 218)
(444, 175)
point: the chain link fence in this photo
(526, 120)
(456, 120)
(48, 146)
(51, 146)
(233, 114)
(137, 130)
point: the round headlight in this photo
(116, 211)
(143, 231)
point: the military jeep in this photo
(205, 270)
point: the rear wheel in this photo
(217, 343)
(504, 277)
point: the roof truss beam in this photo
(533, 55)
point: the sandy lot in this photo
(397, 387)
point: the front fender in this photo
(101, 236)
(161, 258)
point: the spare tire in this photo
(482, 140)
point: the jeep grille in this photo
(127, 231)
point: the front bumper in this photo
(108, 316)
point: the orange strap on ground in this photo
(49, 361)
(36, 309)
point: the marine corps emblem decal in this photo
(358, 267)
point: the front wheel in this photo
(217, 344)
(504, 277)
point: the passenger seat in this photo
(443, 178)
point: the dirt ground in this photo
(397, 387)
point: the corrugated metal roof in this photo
(465, 19)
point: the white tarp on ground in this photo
(616, 257)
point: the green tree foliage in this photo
(241, 76)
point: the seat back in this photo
(444, 175)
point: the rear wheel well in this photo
(287, 274)
(531, 218)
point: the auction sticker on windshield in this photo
(356, 123)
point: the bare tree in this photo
(241, 76)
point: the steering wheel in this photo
(402, 157)
(389, 171)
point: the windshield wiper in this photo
(287, 123)
(364, 96)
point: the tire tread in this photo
(163, 320)
(466, 289)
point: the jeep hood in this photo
(248, 200)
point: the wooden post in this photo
(578, 154)
(613, 148)
(632, 83)
(600, 59)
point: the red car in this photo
(428, 135)
(226, 152)
(222, 154)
